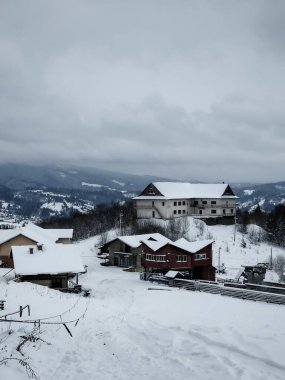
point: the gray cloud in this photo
(186, 89)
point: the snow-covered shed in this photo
(51, 265)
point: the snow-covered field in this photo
(130, 331)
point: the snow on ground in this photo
(233, 255)
(228, 241)
(132, 332)
(248, 192)
(117, 182)
(91, 184)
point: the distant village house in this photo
(156, 253)
(30, 234)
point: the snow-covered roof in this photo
(52, 234)
(171, 274)
(36, 233)
(186, 190)
(52, 259)
(192, 246)
(6, 235)
(135, 241)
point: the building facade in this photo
(168, 200)
(155, 253)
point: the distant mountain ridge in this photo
(41, 192)
(265, 195)
(19, 177)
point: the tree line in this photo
(273, 223)
(122, 217)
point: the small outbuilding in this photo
(49, 265)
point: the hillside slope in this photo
(132, 332)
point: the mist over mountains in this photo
(41, 192)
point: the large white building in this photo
(167, 200)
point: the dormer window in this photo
(151, 191)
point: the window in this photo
(153, 214)
(183, 211)
(161, 258)
(196, 203)
(232, 211)
(200, 212)
(175, 203)
(213, 211)
(200, 256)
(183, 203)
(158, 258)
(179, 203)
(179, 211)
(162, 203)
(204, 202)
(224, 211)
(181, 258)
(213, 202)
(174, 212)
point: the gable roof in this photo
(52, 259)
(186, 190)
(36, 234)
(135, 241)
(192, 246)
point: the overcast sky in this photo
(178, 88)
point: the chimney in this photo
(31, 250)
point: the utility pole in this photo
(271, 261)
(235, 227)
(219, 260)
(121, 216)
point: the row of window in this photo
(179, 258)
(175, 212)
(183, 203)
(215, 211)
(179, 203)
(160, 258)
(205, 203)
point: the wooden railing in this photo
(230, 291)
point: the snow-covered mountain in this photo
(42, 192)
(265, 195)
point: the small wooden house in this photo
(50, 265)
(192, 258)
(30, 234)
(126, 251)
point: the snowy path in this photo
(133, 333)
(130, 332)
